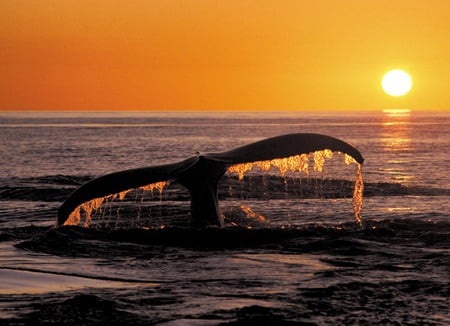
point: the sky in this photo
(211, 55)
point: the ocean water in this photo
(290, 253)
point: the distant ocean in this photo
(283, 258)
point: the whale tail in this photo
(200, 174)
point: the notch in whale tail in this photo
(201, 174)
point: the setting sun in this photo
(396, 82)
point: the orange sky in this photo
(221, 55)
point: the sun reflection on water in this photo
(396, 139)
(397, 113)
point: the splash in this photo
(301, 164)
(87, 209)
(249, 213)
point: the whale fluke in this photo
(284, 146)
(201, 174)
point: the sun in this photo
(396, 82)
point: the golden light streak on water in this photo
(397, 112)
(251, 214)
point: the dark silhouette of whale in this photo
(201, 173)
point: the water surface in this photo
(305, 262)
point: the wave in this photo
(44, 188)
(386, 268)
(345, 238)
(58, 187)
